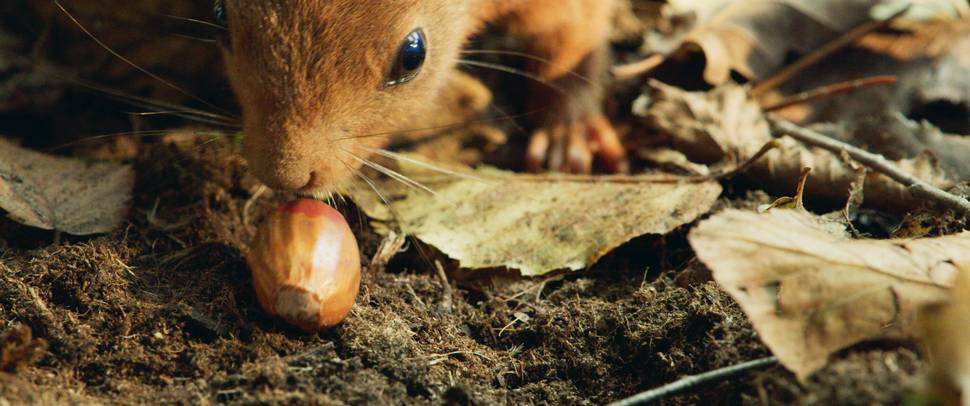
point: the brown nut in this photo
(305, 265)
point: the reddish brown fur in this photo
(310, 74)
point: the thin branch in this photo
(826, 92)
(765, 149)
(638, 68)
(800, 188)
(820, 54)
(647, 179)
(692, 381)
(877, 162)
(446, 301)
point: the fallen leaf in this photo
(727, 125)
(946, 79)
(535, 224)
(929, 61)
(753, 37)
(946, 336)
(810, 292)
(63, 194)
(723, 124)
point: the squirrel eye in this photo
(219, 10)
(410, 57)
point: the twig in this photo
(646, 179)
(765, 149)
(692, 381)
(249, 205)
(391, 245)
(829, 91)
(800, 188)
(446, 301)
(819, 54)
(877, 162)
(544, 281)
(634, 69)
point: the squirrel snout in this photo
(288, 179)
(299, 158)
(279, 172)
(294, 174)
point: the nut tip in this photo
(299, 307)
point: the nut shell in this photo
(305, 265)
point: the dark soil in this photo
(162, 310)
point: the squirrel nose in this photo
(311, 184)
(296, 181)
(277, 170)
(279, 176)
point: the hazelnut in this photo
(305, 265)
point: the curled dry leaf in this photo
(64, 194)
(726, 125)
(946, 82)
(946, 336)
(753, 37)
(810, 292)
(932, 66)
(723, 124)
(534, 224)
(929, 60)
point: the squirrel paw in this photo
(572, 146)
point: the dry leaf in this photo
(726, 125)
(63, 194)
(810, 292)
(930, 61)
(753, 37)
(946, 79)
(947, 337)
(723, 124)
(535, 224)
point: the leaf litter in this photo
(726, 125)
(753, 37)
(63, 194)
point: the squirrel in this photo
(319, 80)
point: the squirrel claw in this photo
(573, 147)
